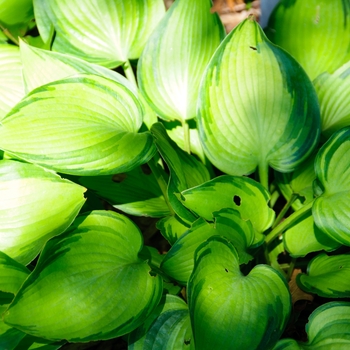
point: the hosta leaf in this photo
(332, 166)
(305, 237)
(320, 37)
(135, 192)
(185, 170)
(80, 288)
(167, 328)
(11, 82)
(35, 205)
(327, 276)
(15, 12)
(104, 32)
(12, 274)
(243, 194)
(84, 125)
(173, 61)
(328, 328)
(257, 107)
(333, 91)
(178, 262)
(172, 228)
(229, 310)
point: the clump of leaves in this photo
(234, 146)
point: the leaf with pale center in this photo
(35, 205)
(257, 106)
(80, 288)
(82, 125)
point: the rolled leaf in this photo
(331, 210)
(320, 37)
(104, 32)
(83, 125)
(80, 288)
(257, 106)
(173, 61)
(229, 310)
(35, 205)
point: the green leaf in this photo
(35, 205)
(11, 82)
(185, 170)
(328, 328)
(104, 32)
(172, 228)
(257, 107)
(173, 61)
(216, 284)
(15, 12)
(243, 194)
(320, 37)
(12, 274)
(84, 125)
(327, 276)
(167, 328)
(135, 192)
(178, 262)
(80, 288)
(332, 166)
(333, 91)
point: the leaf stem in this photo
(274, 197)
(9, 35)
(129, 73)
(288, 222)
(161, 182)
(264, 174)
(284, 209)
(187, 142)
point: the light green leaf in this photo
(12, 274)
(178, 262)
(333, 91)
(243, 194)
(104, 32)
(135, 192)
(257, 107)
(229, 310)
(167, 328)
(172, 228)
(80, 288)
(332, 166)
(185, 170)
(327, 276)
(320, 37)
(173, 61)
(328, 328)
(35, 205)
(15, 12)
(83, 125)
(11, 82)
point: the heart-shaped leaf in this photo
(257, 107)
(333, 91)
(35, 205)
(173, 61)
(327, 276)
(11, 82)
(178, 262)
(320, 37)
(332, 166)
(243, 194)
(80, 288)
(100, 31)
(229, 310)
(83, 125)
(328, 328)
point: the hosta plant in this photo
(165, 185)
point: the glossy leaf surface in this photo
(171, 66)
(104, 32)
(257, 107)
(327, 276)
(35, 205)
(320, 37)
(332, 166)
(95, 122)
(216, 284)
(80, 288)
